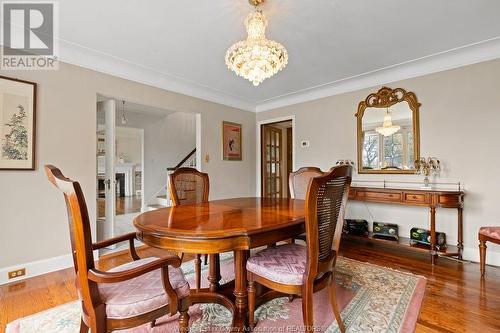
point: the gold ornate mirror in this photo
(388, 132)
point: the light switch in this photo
(207, 158)
(304, 143)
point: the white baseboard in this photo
(472, 254)
(37, 268)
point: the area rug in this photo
(372, 299)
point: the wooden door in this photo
(272, 178)
(289, 157)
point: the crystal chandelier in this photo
(387, 128)
(256, 58)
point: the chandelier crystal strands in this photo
(387, 128)
(256, 58)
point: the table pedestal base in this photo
(233, 295)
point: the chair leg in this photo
(205, 259)
(153, 323)
(335, 306)
(251, 302)
(197, 270)
(482, 256)
(183, 321)
(307, 308)
(99, 323)
(83, 327)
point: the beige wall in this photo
(129, 144)
(460, 124)
(33, 216)
(459, 116)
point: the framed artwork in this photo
(231, 141)
(17, 124)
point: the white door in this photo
(109, 109)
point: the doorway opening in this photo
(136, 145)
(276, 158)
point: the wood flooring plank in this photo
(456, 298)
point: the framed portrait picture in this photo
(231, 141)
(17, 124)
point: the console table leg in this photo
(460, 244)
(433, 235)
(214, 272)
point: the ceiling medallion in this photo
(256, 58)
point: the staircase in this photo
(162, 197)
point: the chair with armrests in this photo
(486, 234)
(126, 296)
(301, 270)
(298, 182)
(190, 186)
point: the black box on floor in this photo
(356, 227)
(423, 236)
(385, 231)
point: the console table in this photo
(415, 197)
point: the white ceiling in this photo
(334, 45)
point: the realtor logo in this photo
(29, 32)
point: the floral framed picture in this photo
(17, 124)
(231, 141)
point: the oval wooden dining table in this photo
(219, 226)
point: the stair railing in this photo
(188, 161)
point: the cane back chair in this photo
(189, 186)
(301, 270)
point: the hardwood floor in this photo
(456, 299)
(124, 205)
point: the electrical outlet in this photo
(17, 273)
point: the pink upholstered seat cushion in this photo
(141, 294)
(493, 232)
(284, 264)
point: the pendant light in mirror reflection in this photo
(124, 119)
(387, 128)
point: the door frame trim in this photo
(258, 179)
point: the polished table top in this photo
(222, 218)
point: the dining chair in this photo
(486, 234)
(301, 270)
(130, 295)
(298, 182)
(190, 186)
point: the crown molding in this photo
(462, 56)
(454, 58)
(85, 57)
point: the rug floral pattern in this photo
(381, 301)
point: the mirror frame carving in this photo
(384, 98)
